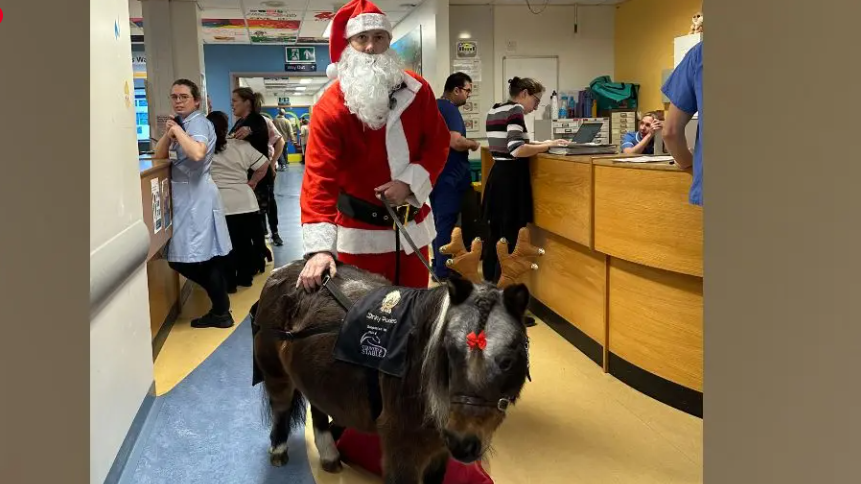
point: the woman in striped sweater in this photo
(508, 192)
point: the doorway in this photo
(293, 94)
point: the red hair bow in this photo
(476, 342)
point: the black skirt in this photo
(506, 208)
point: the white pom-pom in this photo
(332, 71)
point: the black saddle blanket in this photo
(376, 330)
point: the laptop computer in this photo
(586, 133)
(582, 143)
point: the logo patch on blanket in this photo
(376, 330)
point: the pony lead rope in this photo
(407, 237)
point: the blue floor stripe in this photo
(209, 429)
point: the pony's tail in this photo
(298, 411)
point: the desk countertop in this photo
(148, 164)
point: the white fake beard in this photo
(367, 81)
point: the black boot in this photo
(212, 320)
(276, 239)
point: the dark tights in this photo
(242, 263)
(210, 276)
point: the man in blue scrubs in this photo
(455, 179)
(684, 88)
(642, 141)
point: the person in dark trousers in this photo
(507, 204)
(200, 239)
(231, 162)
(277, 145)
(251, 126)
(455, 180)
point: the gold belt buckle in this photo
(406, 208)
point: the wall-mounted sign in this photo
(301, 54)
(467, 49)
(293, 67)
(470, 67)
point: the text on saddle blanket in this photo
(376, 330)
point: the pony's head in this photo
(476, 363)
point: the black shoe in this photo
(245, 283)
(530, 321)
(212, 320)
(276, 239)
(232, 289)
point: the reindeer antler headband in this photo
(513, 265)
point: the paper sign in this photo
(471, 106)
(467, 49)
(470, 67)
(165, 203)
(472, 123)
(156, 206)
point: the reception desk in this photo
(163, 283)
(622, 278)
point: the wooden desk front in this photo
(622, 277)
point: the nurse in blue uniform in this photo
(455, 180)
(684, 88)
(200, 238)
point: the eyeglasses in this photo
(537, 100)
(180, 97)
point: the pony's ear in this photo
(516, 299)
(459, 289)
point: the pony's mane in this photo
(434, 375)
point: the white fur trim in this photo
(361, 241)
(332, 71)
(398, 149)
(320, 237)
(365, 22)
(419, 181)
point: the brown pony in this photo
(455, 389)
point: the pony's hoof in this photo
(332, 467)
(278, 456)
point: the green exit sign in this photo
(301, 54)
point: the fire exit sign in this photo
(300, 54)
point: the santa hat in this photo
(353, 18)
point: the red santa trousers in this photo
(413, 272)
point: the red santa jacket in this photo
(345, 155)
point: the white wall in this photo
(433, 16)
(476, 21)
(582, 56)
(120, 349)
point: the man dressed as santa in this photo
(376, 134)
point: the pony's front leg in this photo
(406, 458)
(434, 473)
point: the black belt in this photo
(371, 213)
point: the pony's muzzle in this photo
(464, 448)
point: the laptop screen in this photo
(587, 132)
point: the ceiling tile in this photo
(224, 31)
(274, 14)
(217, 13)
(320, 16)
(204, 4)
(276, 4)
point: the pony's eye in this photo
(506, 364)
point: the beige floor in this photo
(575, 424)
